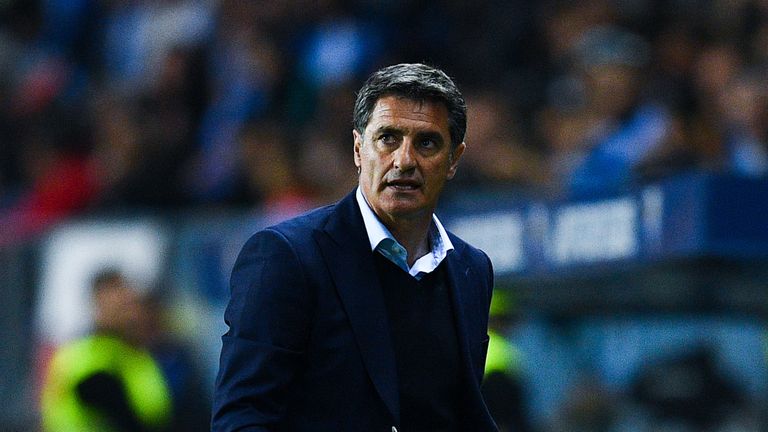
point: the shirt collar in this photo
(382, 240)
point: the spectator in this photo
(107, 381)
(624, 128)
(501, 159)
(191, 406)
(744, 107)
(503, 387)
(689, 390)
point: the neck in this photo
(413, 235)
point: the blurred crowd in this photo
(170, 104)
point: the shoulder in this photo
(300, 231)
(295, 232)
(302, 226)
(94, 352)
(476, 257)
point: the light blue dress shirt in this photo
(384, 242)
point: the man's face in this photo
(117, 307)
(405, 157)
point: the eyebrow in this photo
(389, 129)
(433, 135)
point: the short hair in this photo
(106, 278)
(413, 81)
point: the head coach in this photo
(366, 315)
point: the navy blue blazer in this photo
(308, 346)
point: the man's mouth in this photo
(403, 185)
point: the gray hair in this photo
(413, 81)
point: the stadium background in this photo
(616, 173)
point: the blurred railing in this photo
(696, 242)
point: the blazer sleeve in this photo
(269, 316)
(486, 305)
(490, 280)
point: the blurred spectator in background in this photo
(108, 381)
(265, 174)
(501, 160)
(322, 162)
(60, 178)
(588, 407)
(744, 107)
(182, 373)
(503, 387)
(622, 127)
(688, 393)
(137, 37)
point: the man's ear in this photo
(454, 161)
(358, 139)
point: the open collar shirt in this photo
(383, 242)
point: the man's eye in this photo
(428, 144)
(387, 139)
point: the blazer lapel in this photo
(346, 250)
(460, 286)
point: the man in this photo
(366, 315)
(107, 381)
(503, 387)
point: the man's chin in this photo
(405, 209)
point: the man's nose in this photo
(404, 157)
